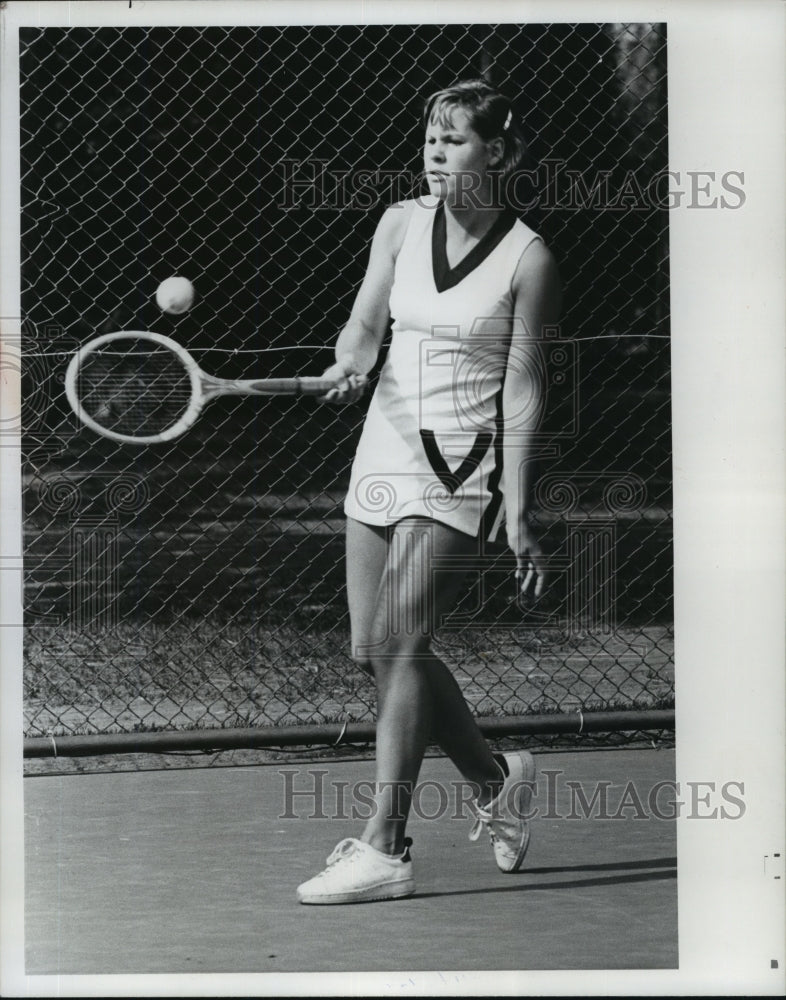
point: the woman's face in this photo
(456, 160)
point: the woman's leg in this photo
(417, 694)
(367, 553)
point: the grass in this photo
(191, 674)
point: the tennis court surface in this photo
(183, 871)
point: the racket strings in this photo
(136, 387)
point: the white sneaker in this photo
(505, 817)
(358, 873)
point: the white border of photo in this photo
(726, 87)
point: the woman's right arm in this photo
(359, 342)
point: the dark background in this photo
(149, 152)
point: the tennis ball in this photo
(175, 295)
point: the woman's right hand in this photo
(350, 384)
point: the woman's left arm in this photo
(536, 304)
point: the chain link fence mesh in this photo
(200, 583)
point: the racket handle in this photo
(303, 386)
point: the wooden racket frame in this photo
(204, 387)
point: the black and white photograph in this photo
(357, 487)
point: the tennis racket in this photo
(144, 388)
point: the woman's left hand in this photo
(530, 565)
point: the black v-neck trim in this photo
(446, 277)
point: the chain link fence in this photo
(199, 584)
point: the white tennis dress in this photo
(431, 444)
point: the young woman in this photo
(445, 449)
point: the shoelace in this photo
(482, 819)
(342, 850)
(350, 845)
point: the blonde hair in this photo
(490, 114)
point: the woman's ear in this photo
(496, 150)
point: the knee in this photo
(390, 652)
(363, 662)
(360, 652)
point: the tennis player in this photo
(443, 462)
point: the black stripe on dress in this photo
(445, 276)
(492, 510)
(452, 480)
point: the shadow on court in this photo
(195, 871)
